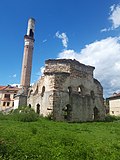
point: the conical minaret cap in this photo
(31, 27)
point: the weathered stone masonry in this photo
(68, 91)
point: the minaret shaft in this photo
(27, 57)
(27, 66)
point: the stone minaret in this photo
(27, 57)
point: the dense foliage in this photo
(49, 140)
(111, 118)
(23, 113)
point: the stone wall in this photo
(70, 92)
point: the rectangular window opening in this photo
(8, 103)
(4, 103)
(7, 96)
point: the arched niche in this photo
(38, 108)
(43, 91)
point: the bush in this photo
(23, 109)
(111, 118)
(23, 113)
(27, 117)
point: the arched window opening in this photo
(69, 90)
(31, 33)
(95, 114)
(29, 93)
(43, 91)
(80, 90)
(36, 90)
(38, 108)
(92, 95)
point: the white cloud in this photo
(69, 54)
(63, 37)
(115, 16)
(105, 29)
(14, 76)
(42, 70)
(45, 40)
(105, 56)
(112, 8)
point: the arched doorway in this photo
(96, 113)
(67, 112)
(29, 105)
(38, 108)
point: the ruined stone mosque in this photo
(67, 90)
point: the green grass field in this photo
(49, 140)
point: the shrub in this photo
(23, 109)
(27, 117)
(111, 118)
(23, 113)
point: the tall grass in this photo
(49, 140)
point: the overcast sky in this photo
(85, 30)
